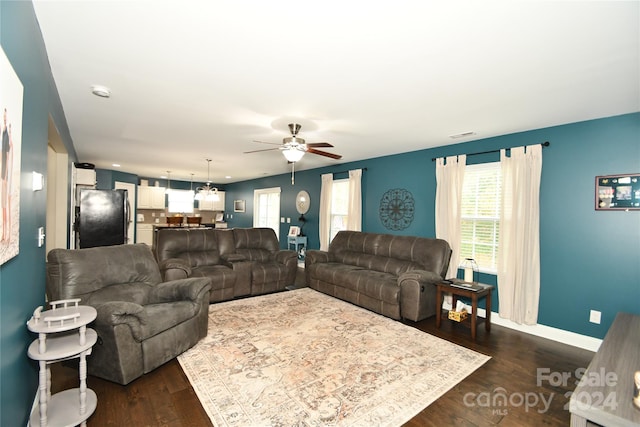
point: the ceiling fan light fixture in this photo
(293, 154)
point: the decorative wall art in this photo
(238, 205)
(396, 209)
(618, 192)
(11, 92)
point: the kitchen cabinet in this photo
(151, 197)
(210, 205)
(144, 234)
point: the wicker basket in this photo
(174, 220)
(194, 221)
(458, 316)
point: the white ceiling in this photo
(192, 80)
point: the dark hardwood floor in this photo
(505, 391)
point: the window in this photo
(339, 206)
(266, 209)
(181, 201)
(481, 215)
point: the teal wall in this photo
(589, 259)
(22, 279)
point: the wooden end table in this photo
(458, 288)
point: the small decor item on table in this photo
(174, 221)
(470, 268)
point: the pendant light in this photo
(207, 192)
(168, 190)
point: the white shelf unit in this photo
(62, 335)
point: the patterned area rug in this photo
(302, 358)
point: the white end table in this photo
(56, 342)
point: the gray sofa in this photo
(391, 275)
(239, 262)
(142, 322)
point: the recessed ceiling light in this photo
(116, 165)
(462, 135)
(228, 177)
(101, 91)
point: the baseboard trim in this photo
(542, 331)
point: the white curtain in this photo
(354, 219)
(325, 211)
(519, 245)
(449, 181)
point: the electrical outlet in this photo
(594, 316)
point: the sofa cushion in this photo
(137, 293)
(389, 253)
(76, 274)
(221, 276)
(198, 247)
(375, 284)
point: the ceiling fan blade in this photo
(264, 142)
(319, 144)
(257, 151)
(324, 153)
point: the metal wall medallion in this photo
(396, 209)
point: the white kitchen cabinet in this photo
(151, 197)
(210, 205)
(144, 234)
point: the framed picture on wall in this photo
(238, 205)
(618, 192)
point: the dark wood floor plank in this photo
(164, 397)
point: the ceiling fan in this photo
(294, 147)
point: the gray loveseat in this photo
(142, 322)
(239, 262)
(391, 275)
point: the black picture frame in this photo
(617, 192)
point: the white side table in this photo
(62, 335)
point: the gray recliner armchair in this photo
(142, 322)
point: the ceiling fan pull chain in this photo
(293, 167)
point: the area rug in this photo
(303, 358)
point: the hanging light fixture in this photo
(168, 190)
(207, 192)
(293, 153)
(191, 187)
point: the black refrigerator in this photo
(102, 218)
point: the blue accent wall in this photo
(589, 259)
(22, 279)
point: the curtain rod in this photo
(544, 144)
(364, 169)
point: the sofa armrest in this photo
(315, 256)
(417, 294)
(179, 290)
(174, 268)
(284, 256)
(113, 313)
